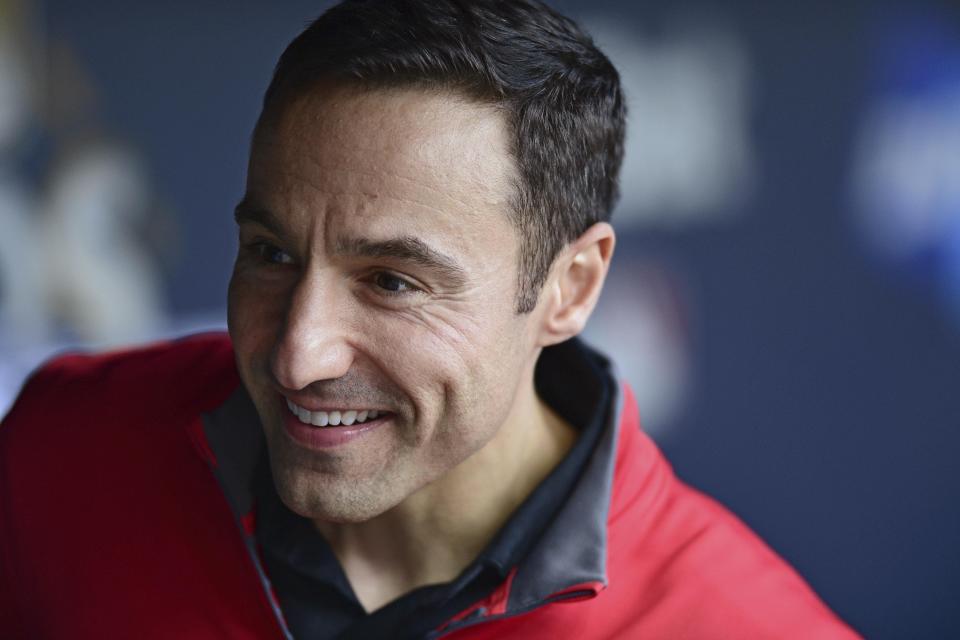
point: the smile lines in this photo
(331, 418)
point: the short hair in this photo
(559, 92)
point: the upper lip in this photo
(316, 405)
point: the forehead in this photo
(431, 158)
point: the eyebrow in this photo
(246, 212)
(410, 249)
(406, 248)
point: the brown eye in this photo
(391, 283)
(271, 254)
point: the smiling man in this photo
(402, 436)
(375, 295)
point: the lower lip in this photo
(314, 437)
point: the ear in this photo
(575, 282)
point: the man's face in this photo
(377, 272)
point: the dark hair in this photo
(560, 94)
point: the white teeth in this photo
(331, 418)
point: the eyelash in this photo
(261, 250)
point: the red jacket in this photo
(117, 520)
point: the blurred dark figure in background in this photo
(82, 236)
(402, 435)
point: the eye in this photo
(391, 284)
(271, 254)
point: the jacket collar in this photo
(571, 554)
(235, 438)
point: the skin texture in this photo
(318, 317)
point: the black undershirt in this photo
(315, 594)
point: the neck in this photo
(438, 531)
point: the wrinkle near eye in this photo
(452, 326)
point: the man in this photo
(401, 438)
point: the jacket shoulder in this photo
(732, 579)
(195, 372)
(686, 566)
(109, 509)
(696, 570)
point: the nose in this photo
(313, 344)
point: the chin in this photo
(341, 502)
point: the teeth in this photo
(332, 418)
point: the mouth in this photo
(333, 418)
(321, 429)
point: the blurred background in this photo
(786, 291)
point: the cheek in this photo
(254, 315)
(459, 369)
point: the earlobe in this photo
(576, 282)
